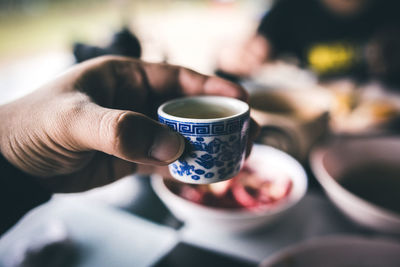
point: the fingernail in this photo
(167, 146)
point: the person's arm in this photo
(246, 58)
(272, 35)
(19, 193)
(91, 126)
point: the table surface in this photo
(138, 228)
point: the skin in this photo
(246, 58)
(346, 8)
(92, 125)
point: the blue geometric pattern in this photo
(206, 129)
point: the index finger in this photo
(164, 78)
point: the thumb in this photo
(127, 135)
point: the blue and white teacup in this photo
(216, 130)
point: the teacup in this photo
(216, 130)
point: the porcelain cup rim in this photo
(242, 108)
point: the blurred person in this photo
(334, 38)
(91, 126)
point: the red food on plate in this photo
(247, 190)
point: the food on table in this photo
(357, 110)
(247, 190)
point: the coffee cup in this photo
(216, 130)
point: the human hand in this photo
(92, 126)
(244, 60)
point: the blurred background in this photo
(334, 168)
(40, 34)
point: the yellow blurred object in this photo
(361, 110)
(325, 58)
(383, 109)
(345, 102)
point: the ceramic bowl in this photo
(218, 219)
(338, 251)
(329, 162)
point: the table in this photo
(143, 232)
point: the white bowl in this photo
(239, 220)
(330, 162)
(339, 251)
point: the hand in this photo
(246, 59)
(92, 125)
